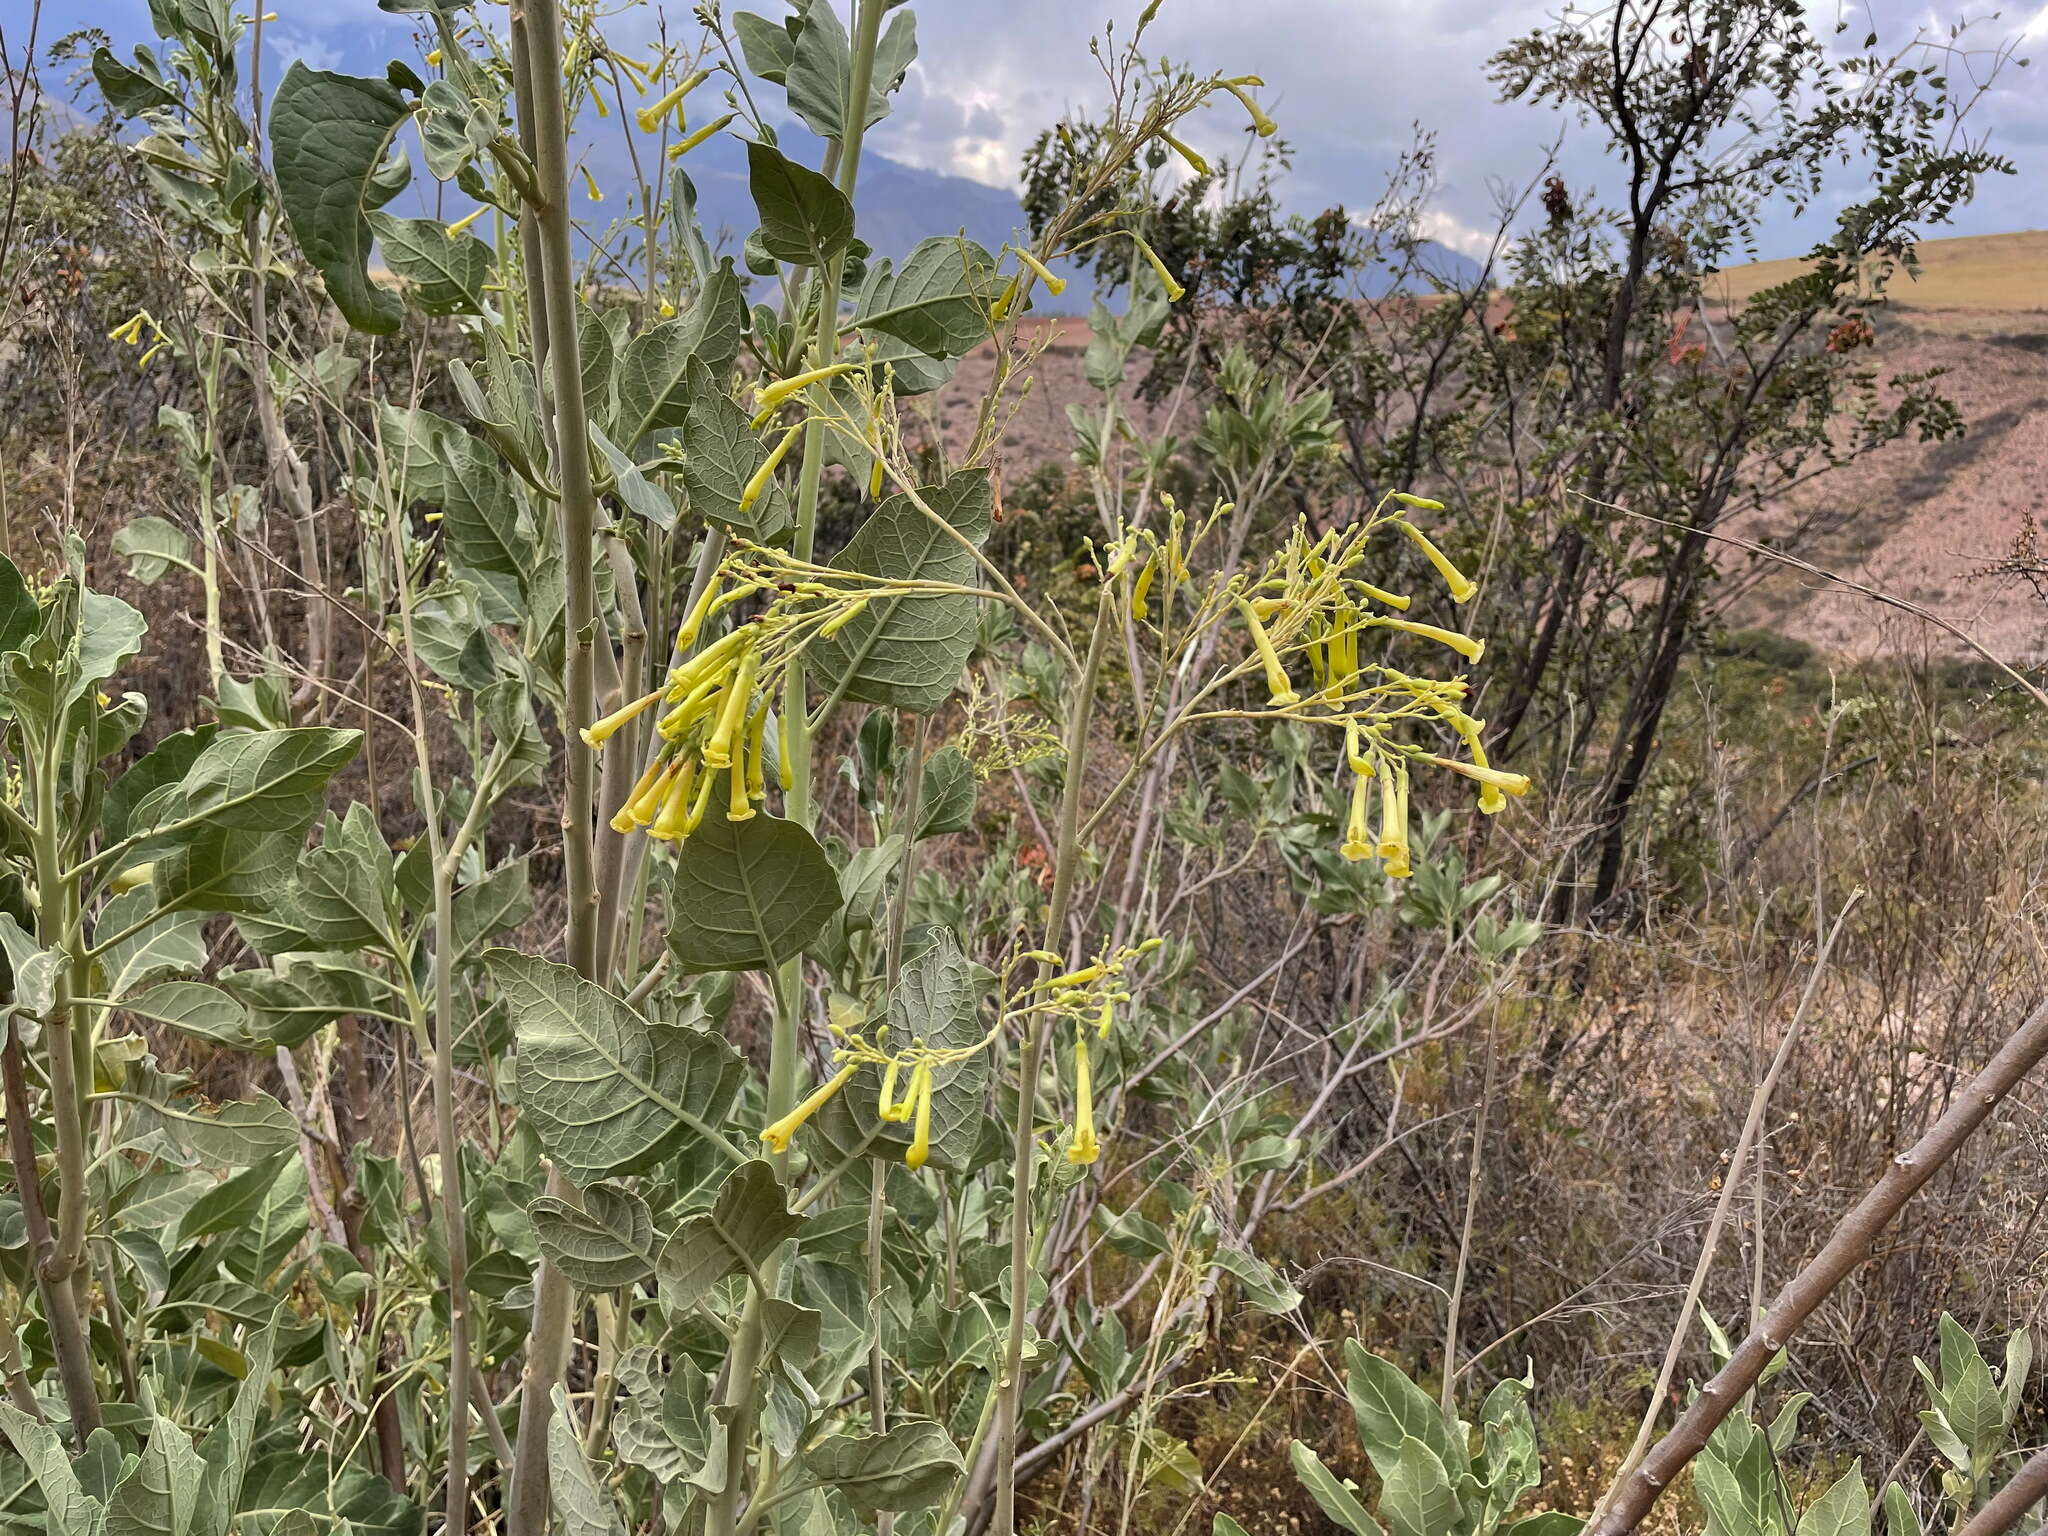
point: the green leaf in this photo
(1416, 1497)
(1223, 1525)
(174, 945)
(346, 896)
(1552, 1522)
(20, 617)
(748, 1221)
(443, 274)
(72, 1510)
(1335, 1499)
(199, 1012)
(1262, 1284)
(298, 996)
(2012, 1382)
(1975, 1408)
(151, 546)
(1507, 1435)
(329, 134)
(239, 873)
(1391, 1409)
(582, 1503)
(947, 804)
(136, 797)
(1740, 1498)
(767, 46)
(232, 1201)
(235, 1135)
(1900, 1518)
(911, 1467)
(817, 68)
(607, 1091)
(721, 452)
(225, 1450)
(938, 301)
(439, 464)
(501, 900)
(805, 219)
(1843, 1510)
(263, 781)
(160, 1496)
(908, 651)
(748, 894)
(31, 971)
(131, 90)
(601, 1245)
(655, 387)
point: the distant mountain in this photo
(896, 206)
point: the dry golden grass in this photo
(1989, 272)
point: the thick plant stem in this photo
(784, 1056)
(61, 1266)
(60, 1308)
(1010, 1387)
(1847, 1246)
(543, 117)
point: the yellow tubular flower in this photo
(842, 618)
(1053, 285)
(1464, 645)
(1357, 839)
(1276, 675)
(1497, 780)
(1262, 125)
(893, 1110)
(1354, 752)
(761, 477)
(596, 735)
(1421, 503)
(590, 187)
(731, 713)
(693, 622)
(466, 220)
(716, 126)
(1393, 848)
(1381, 595)
(875, 480)
(673, 821)
(921, 1135)
(757, 754)
(1461, 588)
(1174, 291)
(650, 116)
(777, 1135)
(1084, 1148)
(1080, 978)
(645, 794)
(1142, 586)
(785, 756)
(737, 806)
(131, 878)
(1195, 162)
(700, 805)
(768, 398)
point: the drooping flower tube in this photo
(777, 1135)
(1084, 1148)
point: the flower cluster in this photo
(1086, 998)
(1311, 605)
(716, 720)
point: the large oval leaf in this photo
(748, 894)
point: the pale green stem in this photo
(1010, 1387)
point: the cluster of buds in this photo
(1311, 605)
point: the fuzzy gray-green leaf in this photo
(748, 894)
(329, 134)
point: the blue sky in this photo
(1347, 80)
